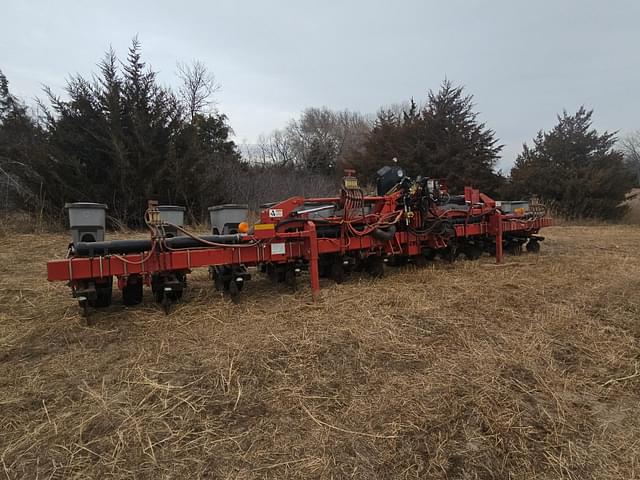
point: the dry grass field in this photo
(528, 370)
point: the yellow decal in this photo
(264, 226)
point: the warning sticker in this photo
(275, 212)
(278, 249)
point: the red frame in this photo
(300, 244)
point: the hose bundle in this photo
(360, 223)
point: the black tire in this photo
(449, 254)
(104, 293)
(157, 289)
(324, 270)
(132, 291)
(533, 246)
(276, 273)
(183, 281)
(233, 290)
(158, 295)
(420, 261)
(290, 279)
(514, 249)
(177, 295)
(337, 272)
(231, 285)
(218, 282)
(472, 252)
(375, 267)
(398, 260)
(429, 254)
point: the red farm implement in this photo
(407, 221)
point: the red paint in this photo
(302, 243)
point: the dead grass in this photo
(529, 370)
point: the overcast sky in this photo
(524, 61)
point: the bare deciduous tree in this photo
(275, 149)
(198, 87)
(318, 141)
(333, 133)
(631, 150)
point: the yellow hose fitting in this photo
(153, 212)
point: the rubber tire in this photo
(103, 298)
(290, 279)
(158, 295)
(103, 295)
(238, 286)
(132, 292)
(450, 254)
(375, 267)
(472, 252)
(429, 254)
(533, 246)
(514, 249)
(420, 261)
(337, 272)
(218, 283)
(276, 273)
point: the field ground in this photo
(471, 370)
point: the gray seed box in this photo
(510, 206)
(87, 221)
(229, 215)
(172, 214)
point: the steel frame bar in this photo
(299, 245)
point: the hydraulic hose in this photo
(90, 249)
(384, 234)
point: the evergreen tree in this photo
(204, 156)
(320, 157)
(444, 139)
(8, 104)
(575, 169)
(25, 167)
(125, 139)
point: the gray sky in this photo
(524, 61)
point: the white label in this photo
(278, 249)
(275, 212)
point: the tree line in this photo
(120, 138)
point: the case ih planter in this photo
(406, 221)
